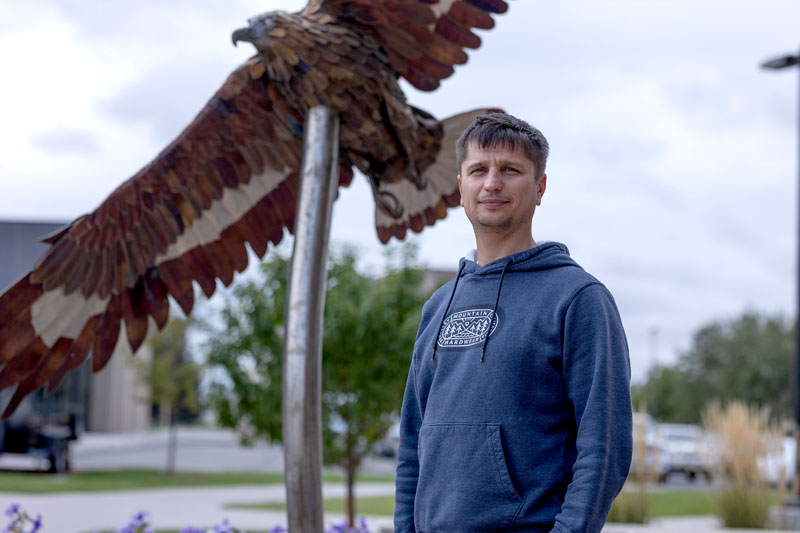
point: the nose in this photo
(493, 181)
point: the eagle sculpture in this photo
(231, 177)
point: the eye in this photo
(511, 170)
(478, 170)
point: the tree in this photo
(667, 396)
(369, 330)
(749, 358)
(172, 378)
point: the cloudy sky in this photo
(673, 170)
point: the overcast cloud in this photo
(673, 167)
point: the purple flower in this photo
(140, 519)
(190, 529)
(12, 510)
(224, 527)
(339, 528)
(344, 527)
(37, 524)
(278, 529)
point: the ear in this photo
(460, 194)
(541, 185)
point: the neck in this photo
(493, 247)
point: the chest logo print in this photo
(465, 328)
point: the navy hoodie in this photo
(517, 409)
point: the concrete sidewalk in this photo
(175, 508)
(206, 506)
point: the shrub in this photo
(631, 506)
(743, 435)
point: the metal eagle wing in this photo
(228, 179)
(424, 39)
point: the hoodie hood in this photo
(544, 256)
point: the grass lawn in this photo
(109, 480)
(682, 503)
(688, 503)
(374, 505)
(664, 504)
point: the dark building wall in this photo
(20, 247)
(107, 401)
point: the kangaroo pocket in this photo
(464, 484)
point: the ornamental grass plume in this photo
(744, 435)
(632, 505)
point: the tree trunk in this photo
(351, 504)
(164, 414)
(172, 440)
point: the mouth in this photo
(492, 202)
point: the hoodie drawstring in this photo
(494, 311)
(446, 309)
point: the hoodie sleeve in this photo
(596, 371)
(407, 460)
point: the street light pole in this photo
(780, 63)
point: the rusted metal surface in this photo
(229, 180)
(302, 361)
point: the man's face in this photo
(499, 189)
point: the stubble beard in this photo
(491, 225)
(487, 224)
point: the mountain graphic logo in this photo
(465, 328)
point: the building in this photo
(111, 400)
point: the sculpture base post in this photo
(305, 303)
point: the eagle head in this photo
(258, 30)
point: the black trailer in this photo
(45, 426)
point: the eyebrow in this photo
(504, 162)
(475, 165)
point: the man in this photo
(517, 410)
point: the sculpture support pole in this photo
(305, 303)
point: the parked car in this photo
(660, 450)
(46, 437)
(779, 463)
(683, 448)
(387, 446)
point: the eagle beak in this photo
(243, 34)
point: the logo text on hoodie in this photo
(465, 328)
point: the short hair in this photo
(502, 129)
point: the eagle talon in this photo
(386, 201)
(413, 176)
(389, 204)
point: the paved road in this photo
(199, 449)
